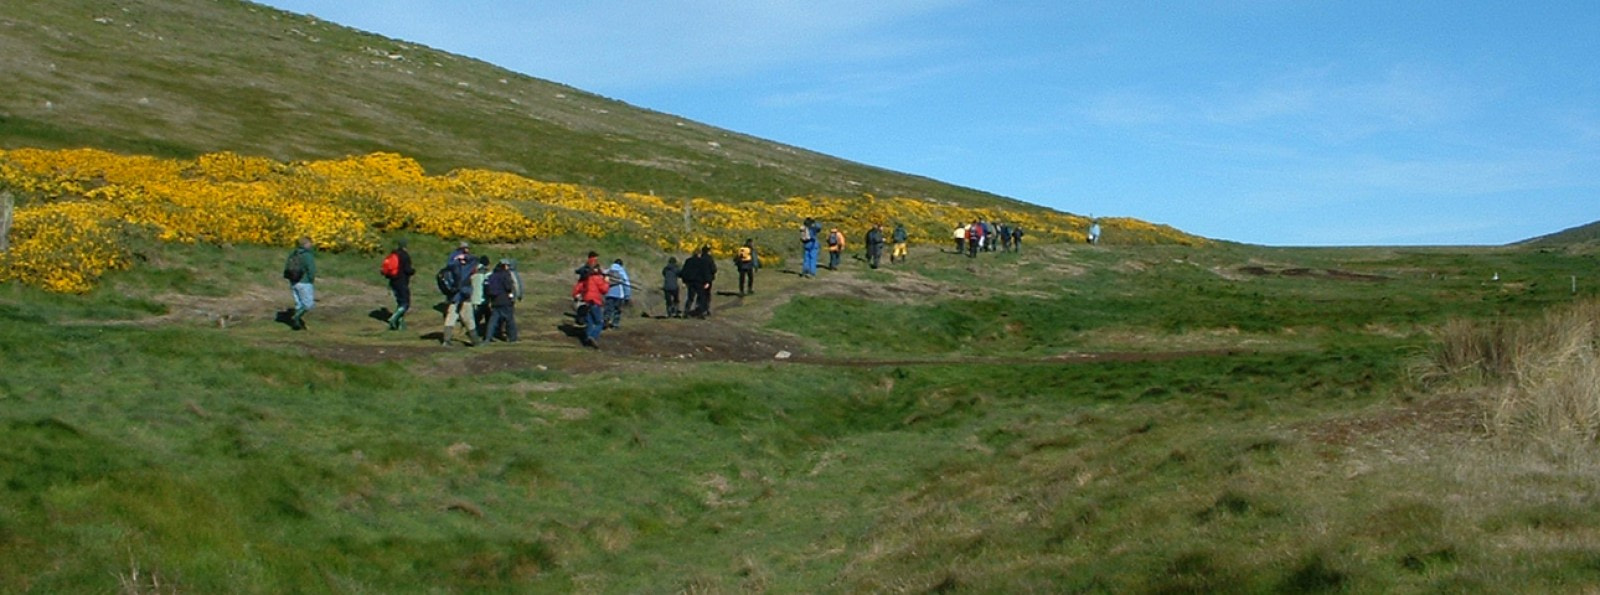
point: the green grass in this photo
(215, 460)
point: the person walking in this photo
(397, 269)
(747, 261)
(300, 270)
(517, 292)
(875, 245)
(835, 248)
(960, 235)
(501, 291)
(480, 300)
(618, 294)
(457, 278)
(589, 294)
(808, 247)
(699, 272)
(900, 239)
(1016, 238)
(669, 287)
(974, 239)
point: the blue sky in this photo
(1262, 121)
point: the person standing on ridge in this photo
(747, 261)
(618, 294)
(808, 246)
(300, 270)
(397, 268)
(900, 239)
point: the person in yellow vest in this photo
(747, 261)
(835, 248)
(900, 238)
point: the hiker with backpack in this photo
(455, 282)
(900, 239)
(501, 292)
(874, 245)
(588, 295)
(300, 270)
(397, 269)
(619, 294)
(808, 247)
(669, 287)
(835, 248)
(746, 261)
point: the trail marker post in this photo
(5, 220)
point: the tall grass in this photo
(1538, 379)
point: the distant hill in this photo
(177, 78)
(1582, 236)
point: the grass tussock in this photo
(1539, 378)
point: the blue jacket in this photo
(621, 286)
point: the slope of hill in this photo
(182, 77)
(1582, 236)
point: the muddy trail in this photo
(348, 326)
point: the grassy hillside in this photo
(1581, 238)
(178, 78)
(1067, 418)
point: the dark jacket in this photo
(406, 271)
(699, 270)
(464, 266)
(669, 277)
(501, 287)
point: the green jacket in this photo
(309, 262)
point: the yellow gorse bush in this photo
(78, 208)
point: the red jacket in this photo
(591, 289)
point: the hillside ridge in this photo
(179, 78)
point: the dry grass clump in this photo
(1539, 379)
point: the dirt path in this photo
(347, 325)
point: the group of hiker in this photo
(482, 298)
(986, 236)
(812, 238)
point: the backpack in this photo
(294, 269)
(833, 239)
(391, 265)
(448, 283)
(743, 255)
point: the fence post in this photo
(5, 220)
(688, 214)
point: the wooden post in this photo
(688, 215)
(5, 220)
